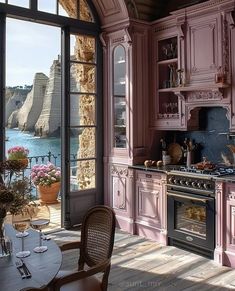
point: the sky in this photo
(30, 48)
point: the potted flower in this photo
(47, 179)
(19, 153)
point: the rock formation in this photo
(28, 114)
(48, 123)
(14, 100)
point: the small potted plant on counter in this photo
(47, 180)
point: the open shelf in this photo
(166, 62)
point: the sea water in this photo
(37, 146)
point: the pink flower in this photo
(45, 174)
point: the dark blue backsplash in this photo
(211, 138)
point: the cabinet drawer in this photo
(149, 177)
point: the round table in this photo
(43, 266)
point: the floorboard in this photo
(141, 264)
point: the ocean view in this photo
(37, 146)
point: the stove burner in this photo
(218, 171)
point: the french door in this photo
(82, 135)
(81, 105)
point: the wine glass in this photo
(21, 222)
(39, 220)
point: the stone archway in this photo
(109, 11)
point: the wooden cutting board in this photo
(175, 151)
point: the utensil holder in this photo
(189, 159)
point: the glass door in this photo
(119, 97)
(191, 218)
(82, 126)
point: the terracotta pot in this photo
(49, 194)
(24, 163)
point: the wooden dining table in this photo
(43, 266)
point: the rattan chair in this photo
(96, 246)
(34, 289)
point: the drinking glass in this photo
(21, 223)
(39, 220)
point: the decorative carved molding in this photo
(219, 187)
(118, 40)
(121, 171)
(204, 95)
(230, 195)
(104, 39)
(168, 116)
(180, 95)
(121, 205)
(225, 46)
(231, 20)
(128, 36)
(130, 173)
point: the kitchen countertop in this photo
(226, 178)
(163, 169)
(166, 169)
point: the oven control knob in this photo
(182, 182)
(171, 180)
(194, 184)
(206, 186)
(176, 181)
(188, 183)
(199, 185)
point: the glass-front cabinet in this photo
(119, 97)
(168, 72)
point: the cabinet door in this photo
(119, 192)
(230, 217)
(167, 105)
(202, 49)
(119, 97)
(148, 203)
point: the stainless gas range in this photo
(191, 208)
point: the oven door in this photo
(191, 219)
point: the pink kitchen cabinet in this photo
(167, 54)
(204, 49)
(225, 224)
(189, 77)
(126, 127)
(150, 209)
(229, 255)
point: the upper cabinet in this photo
(168, 75)
(203, 54)
(126, 93)
(192, 68)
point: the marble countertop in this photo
(226, 178)
(166, 169)
(163, 169)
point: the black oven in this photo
(191, 214)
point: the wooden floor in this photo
(55, 217)
(141, 264)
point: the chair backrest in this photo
(34, 289)
(97, 236)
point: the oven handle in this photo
(175, 194)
